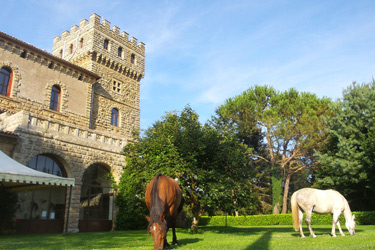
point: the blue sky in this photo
(202, 52)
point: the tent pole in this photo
(67, 214)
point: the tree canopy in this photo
(289, 123)
(348, 160)
(211, 168)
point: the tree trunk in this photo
(276, 191)
(285, 196)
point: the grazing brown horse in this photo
(164, 201)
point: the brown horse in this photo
(164, 201)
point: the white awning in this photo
(13, 173)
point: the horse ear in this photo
(148, 218)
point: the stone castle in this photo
(74, 110)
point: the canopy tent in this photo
(15, 175)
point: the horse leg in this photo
(308, 222)
(335, 220)
(300, 219)
(174, 242)
(166, 244)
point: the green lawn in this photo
(266, 237)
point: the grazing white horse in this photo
(310, 200)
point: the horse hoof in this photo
(314, 236)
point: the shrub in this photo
(8, 204)
(131, 204)
(362, 218)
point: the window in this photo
(106, 44)
(81, 43)
(119, 52)
(116, 86)
(71, 49)
(61, 53)
(114, 117)
(55, 98)
(23, 54)
(132, 59)
(46, 164)
(5, 81)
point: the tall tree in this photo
(348, 160)
(211, 168)
(291, 126)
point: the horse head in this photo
(158, 230)
(350, 225)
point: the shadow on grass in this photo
(263, 242)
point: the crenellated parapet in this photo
(96, 36)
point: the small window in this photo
(61, 53)
(116, 86)
(5, 81)
(23, 54)
(132, 59)
(71, 49)
(55, 98)
(119, 52)
(81, 43)
(114, 117)
(106, 44)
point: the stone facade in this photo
(97, 70)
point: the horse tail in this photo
(295, 208)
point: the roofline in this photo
(47, 54)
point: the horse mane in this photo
(157, 205)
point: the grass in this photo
(266, 237)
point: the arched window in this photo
(114, 117)
(5, 81)
(106, 44)
(119, 52)
(46, 164)
(132, 59)
(55, 98)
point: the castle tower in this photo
(118, 60)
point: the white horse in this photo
(310, 200)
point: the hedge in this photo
(361, 218)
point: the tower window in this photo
(61, 53)
(23, 54)
(106, 44)
(81, 43)
(55, 98)
(132, 59)
(119, 52)
(71, 49)
(5, 81)
(114, 117)
(116, 86)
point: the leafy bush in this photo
(8, 203)
(362, 218)
(131, 203)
